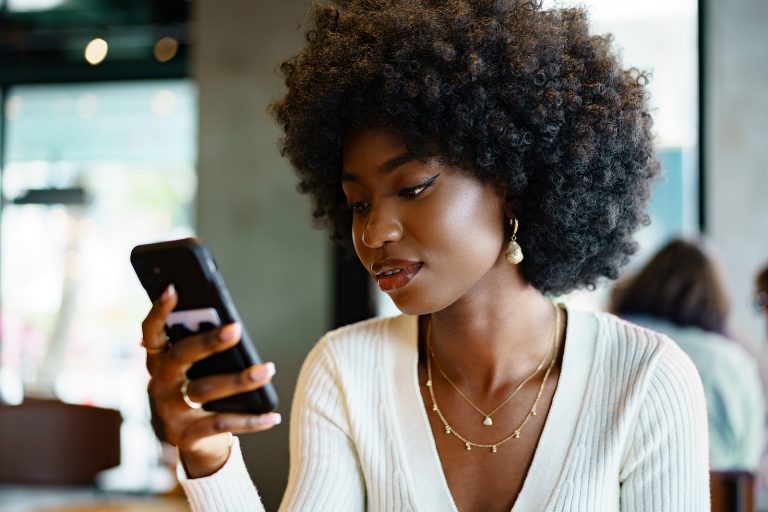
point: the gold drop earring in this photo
(514, 253)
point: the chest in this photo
(481, 479)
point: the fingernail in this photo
(262, 372)
(169, 293)
(229, 332)
(262, 420)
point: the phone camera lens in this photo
(156, 270)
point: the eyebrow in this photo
(385, 168)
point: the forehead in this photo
(371, 148)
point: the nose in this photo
(381, 228)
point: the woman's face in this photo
(429, 233)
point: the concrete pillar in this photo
(736, 150)
(277, 267)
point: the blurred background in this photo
(126, 122)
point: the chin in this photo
(407, 307)
(415, 304)
(413, 311)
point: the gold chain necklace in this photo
(487, 421)
(516, 433)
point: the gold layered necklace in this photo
(487, 421)
(487, 417)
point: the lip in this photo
(407, 271)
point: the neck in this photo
(486, 340)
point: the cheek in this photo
(473, 229)
(461, 244)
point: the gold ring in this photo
(154, 350)
(191, 403)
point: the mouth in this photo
(395, 277)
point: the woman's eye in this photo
(358, 207)
(418, 189)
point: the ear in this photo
(511, 202)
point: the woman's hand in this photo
(202, 437)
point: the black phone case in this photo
(190, 267)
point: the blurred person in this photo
(444, 141)
(680, 293)
(761, 307)
(761, 295)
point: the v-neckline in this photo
(422, 459)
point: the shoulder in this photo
(663, 413)
(628, 338)
(655, 388)
(362, 342)
(625, 335)
(348, 364)
(711, 352)
(643, 356)
(362, 336)
(363, 330)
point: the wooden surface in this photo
(124, 505)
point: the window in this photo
(90, 171)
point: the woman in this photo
(761, 294)
(478, 155)
(680, 293)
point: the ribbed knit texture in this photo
(733, 391)
(627, 429)
(228, 489)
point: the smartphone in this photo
(204, 303)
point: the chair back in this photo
(732, 491)
(48, 442)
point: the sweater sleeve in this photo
(325, 473)
(666, 468)
(230, 489)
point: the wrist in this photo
(199, 464)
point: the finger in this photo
(181, 356)
(211, 388)
(153, 333)
(228, 422)
(152, 327)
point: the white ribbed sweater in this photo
(627, 429)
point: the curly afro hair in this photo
(514, 94)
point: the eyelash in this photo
(407, 193)
(418, 189)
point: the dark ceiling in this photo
(48, 44)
